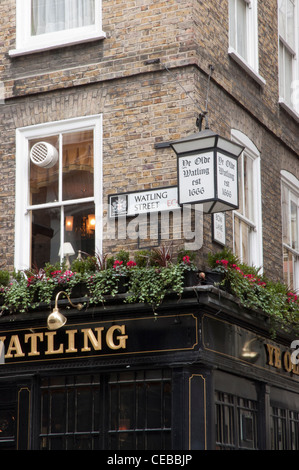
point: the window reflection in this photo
(70, 417)
(77, 165)
(140, 412)
(45, 236)
(44, 181)
(236, 422)
(119, 411)
(52, 190)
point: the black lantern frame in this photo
(208, 171)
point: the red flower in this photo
(224, 262)
(130, 264)
(55, 273)
(117, 264)
(292, 297)
(186, 259)
(237, 268)
(30, 281)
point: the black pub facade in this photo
(202, 374)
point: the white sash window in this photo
(288, 29)
(290, 229)
(247, 220)
(57, 15)
(58, 191)
(46, 24)
(243, 36)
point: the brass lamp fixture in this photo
(56, 319)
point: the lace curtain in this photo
(57, 15)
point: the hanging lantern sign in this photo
(208, 171)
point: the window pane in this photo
(84, 409)
(58, 406)
(278, 429)
(238, 27)
(48, 16)
(241, 29)
(247, 423)
(45, 236)
(245, 243)
(242, 240)
(286, 10)
(288, 74)
(248, 188)
(225, 423)
(237, 249)
(79, 227)
(126, 407)
(7, 424)
(294, 422)
(285, 216)
(44, 181)
(294, 225)
(281, 69)
(140, 411)
(232, 23)
(288, 268)
(290, 23)
(154, 405)
(77, 165)
(282, 18)
(70, 414)
(241, 184)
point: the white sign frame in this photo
(207, 176)
(219, 227)
(143, 202)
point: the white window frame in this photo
(251, 63)
(292, 107)
(256, 236)
(291, 183)
(22, 201)
(27, 43)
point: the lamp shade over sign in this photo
(208, 171)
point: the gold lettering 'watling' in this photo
(93, 339)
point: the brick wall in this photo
(145, 103)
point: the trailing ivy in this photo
(256, 291)
(150, 285)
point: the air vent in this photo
(44, 155)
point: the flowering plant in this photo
(131, 264)
(117, 265)
(255, 291)
(186, 260)
(62, 277)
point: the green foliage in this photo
(150, 285)
(142, 258)
(17, 297)
(148, 282)
(256, 291)
(225, 254)
(4, 278)
(101, 284)
(183, 253)
(85, 265)
(121, 255)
